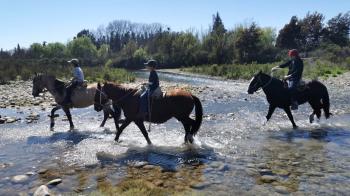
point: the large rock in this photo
(268, 178)
(19, 178)
(42, 191)
(54, 182)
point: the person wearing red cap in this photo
(296, 67)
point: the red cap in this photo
(293, 53)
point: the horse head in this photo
(38, 84)
(257, 82)
(101, 98)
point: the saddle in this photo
(157, 93)
(301, 86)
(82, 85)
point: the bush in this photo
(312, 70)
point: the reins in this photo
(120, 99)
(267, 83)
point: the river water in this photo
(234, 152)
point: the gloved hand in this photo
(286, 77)
(275, 68)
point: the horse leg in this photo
(270, 112)
(311, 117)
(106, 113)
(52, 116)
(120, 130)
(316, 106)
(290, 116)
(187, 123)
(142, 127)
(69, 116)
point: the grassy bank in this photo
(24, 70)
(312, 70)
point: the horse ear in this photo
(105, 82)
(98, 85)
(35, 74)
(260, 72)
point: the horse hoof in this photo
(51, 129)
(295, 127)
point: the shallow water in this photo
(232, 150)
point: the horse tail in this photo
(199, 115)
(325, 103)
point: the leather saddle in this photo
(301, 86)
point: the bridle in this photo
(100, 100)
(266, 84)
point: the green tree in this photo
(216, 42)
(289, 35)
(36, 50)
(57, 50)
(310, 31)
(103, 52)
(82, 47)
(337, 30)
(218, 25)
(247, 41)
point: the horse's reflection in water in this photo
(169, 158)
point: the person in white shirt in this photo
(78, 79)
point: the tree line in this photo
(127, 45)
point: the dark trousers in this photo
(144, 101)
(69, 90)
(293, 89)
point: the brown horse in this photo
(176, 103)
(81, 98)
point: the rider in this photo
(78, 79)
(296, 67)
(152, 85)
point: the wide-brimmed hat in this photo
(151, 63)
(74, 61)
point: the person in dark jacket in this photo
(296, 67)
(152, 85)
(78, 79)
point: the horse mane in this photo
(274, 79)
(118, 86)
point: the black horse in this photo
(278, 96)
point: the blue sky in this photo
(28, 21)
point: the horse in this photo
(277, 95)
(81, 98)
(176, 103)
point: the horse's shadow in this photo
(168, 158)
(323, 134)
(73, 137)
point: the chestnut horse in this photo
(176, 103)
